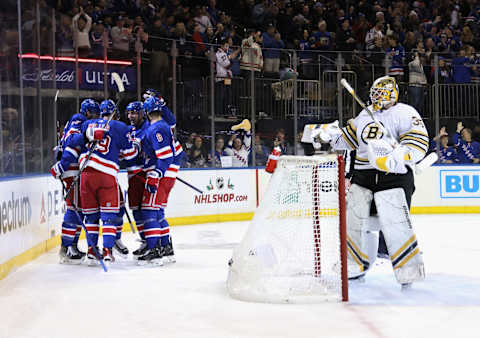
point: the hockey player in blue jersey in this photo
(67, 171)
(172, 171)
(99, 190)
(136, 175)
(158, 149)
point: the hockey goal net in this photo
(295, 248)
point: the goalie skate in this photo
(121, 249)
(70, 256)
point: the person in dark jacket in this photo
(272, 43)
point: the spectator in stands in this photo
(201, 19)
(223, 80)
(261, 151)
(445, 72)
(96, 36)
(121, 38)
(190, 141)
(373, 35)
(445, 153)
(396, 55)
(417, 81)
(468, 151)
(252, 58)
(272, 43)
(305, 55)
(323, 38)
(160, 47)
(81, 25)
(239, 148)
(64, 37)
(461, 70)
(345, 39)
(197, 155)
(219, 152)
(281, 142)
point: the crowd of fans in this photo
(462, 148)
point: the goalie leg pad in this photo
(358, 211)
(370, 239)
(401, 241)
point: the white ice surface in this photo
(189, 299)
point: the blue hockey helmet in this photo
(135, 106)
(107, 107)
(150, 93)
(89, 105)
(153, 104)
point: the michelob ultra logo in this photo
(461, 183)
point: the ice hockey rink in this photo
(189, 298)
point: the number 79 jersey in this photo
(402, 122)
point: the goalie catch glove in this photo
(325, 133)
(384, 157)
(153, 179)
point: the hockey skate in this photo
(121, 249)
(91, 257)
(141, 250)
(108, 255)
(69, 256)
(77, 250)
(153, 256)
(169, 256)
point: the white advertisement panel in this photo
(31, 211)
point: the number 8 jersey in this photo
(402, 122)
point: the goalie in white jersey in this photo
(382, 181)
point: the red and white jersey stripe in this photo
(100, 164)
(164, 153)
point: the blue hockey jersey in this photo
(135, 165)
(170, 119)
(117, 143)
(157, 146)
(466, 152)
(71, 154)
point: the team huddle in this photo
(92, 147)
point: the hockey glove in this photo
(384, 157)
(153, 178)
(325, 133)
(57, 170)
(95, 133)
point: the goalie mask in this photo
(384, 93)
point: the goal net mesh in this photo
(291, 251)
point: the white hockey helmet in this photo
(384, 93)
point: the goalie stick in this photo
(420, 166)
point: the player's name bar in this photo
(73, 59)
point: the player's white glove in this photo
(326, 132)
(384, 157)
(57, 170)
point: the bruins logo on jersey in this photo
(371, 131)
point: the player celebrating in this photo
(382, 175)
(158, 149)
(71, 226)
(136, 174)
(99, 188)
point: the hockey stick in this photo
(420, 166)
(189, 185)
(87, 234)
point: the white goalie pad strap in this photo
(401, 241)
(358, 211)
